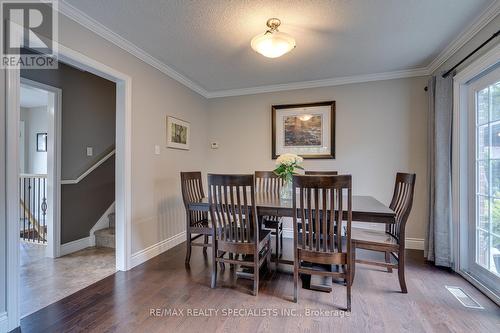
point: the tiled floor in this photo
(45, 280)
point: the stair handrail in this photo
(89, 170)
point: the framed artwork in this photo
(41, 142)
(178, 133)
(307, 130)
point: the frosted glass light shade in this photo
(273, 44)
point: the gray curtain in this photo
(438, 240)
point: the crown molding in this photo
(86, 21)
(101, 30)
(321, 83)
(482, 20)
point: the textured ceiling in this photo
(208, 41)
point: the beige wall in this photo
(157, 210)
(381, 129)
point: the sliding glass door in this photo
(484, 200)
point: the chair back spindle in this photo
(232, 208)
(192, 191)
(267, 182)
(321, 203)
(401, 203)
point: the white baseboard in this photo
(156, 249)
(102, 223)
(4, 322)
(411, 243)
(75, 245)
(414, 243)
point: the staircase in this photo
(33, 208)
(106, 237)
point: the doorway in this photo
(39, 160)
(123, 170)
(51, 269)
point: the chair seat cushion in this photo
(372, 236)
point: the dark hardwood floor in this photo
(124, 302)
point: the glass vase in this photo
(286, 190)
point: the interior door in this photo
(484, 184)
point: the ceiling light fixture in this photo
(273, 43)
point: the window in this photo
(487, 226)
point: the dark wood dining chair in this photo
(234, 214)
(315, 240)
(267, 182)
(197, 222)
(392, 241)
(321, 173)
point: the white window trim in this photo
(460, 209)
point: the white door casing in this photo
(123, 168)
(54, 109)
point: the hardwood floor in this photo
(124, 302)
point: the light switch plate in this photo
(90, 151)
(157, 150)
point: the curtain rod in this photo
(472, 53)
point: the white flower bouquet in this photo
(286, 166)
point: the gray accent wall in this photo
(88, 115)
(85, 202)
(88, 120)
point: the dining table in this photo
(365, 209)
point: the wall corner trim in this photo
(336, 81)
(157, 249)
